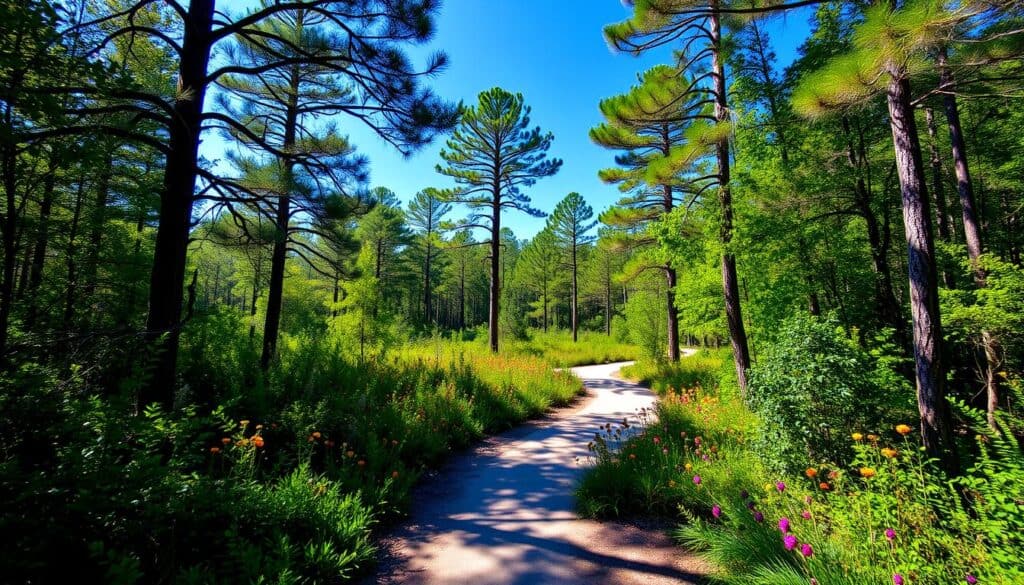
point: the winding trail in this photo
(502, 514)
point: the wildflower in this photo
(758, 516)
(781, 486)
(890, 453)
(688, 467)
(394, 442)
(808, 500)
(259, 427)
(350, 453)
(890, 534)
(806, 514)
(824, 486)
(361, 463)
(316, 434)
(657, 440)
(750, 505)
(632, 456)
(696, 479)
(226, 440)
(971, 579)
(664, 451)
(716, 511)
(897, 579)
(789, 541)
(806, 549)
(258, 441)
(696, 440)
(768, 487)
(903, 429)
(814, 581)
(857, 436)
(867, 472)
(783, 525)
(744, 494)
(811, 472)
(833, 474)
(214, 450)
(873, 438)
(244, 423)
(394, 475)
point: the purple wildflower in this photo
(789, 542)
(744, 494)
(806, 550)
(758, 516)
(971, 579)
(750, 505)
(806, 514)
(783, 525)
(897, 579)
(716, 511)
(780, 486)
(890, 534)
(696, 479)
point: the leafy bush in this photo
(811, 389)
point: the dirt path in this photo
(503, 513)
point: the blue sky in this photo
(554, 54)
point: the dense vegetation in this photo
(870, 429)
(235, 370)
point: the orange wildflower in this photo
(258, 441)
(857, 436)
(867, 472)
(226, 440)
(214, 450)
(350, 454)
(811, 472)
(824, 485)
(394, 475)
(316, 434)
(361, 463)
(890, 453)
(904, 429)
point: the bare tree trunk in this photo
(730, 284)
(279, 255)
(168, 275)
(575, 295)
(495, 289)
(941, 218)
(972, 227)
(607, 300)
(673, 314)
(936, 420)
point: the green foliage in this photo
(646, 323)
(812, 388)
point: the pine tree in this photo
(570, 222)
(492, 156)
(658, 126)
(699, 24)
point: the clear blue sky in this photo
(553, 53)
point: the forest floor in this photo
(503, 513)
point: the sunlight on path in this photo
(503, 513)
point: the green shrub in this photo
(811, 389)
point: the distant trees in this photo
(492, 155)
(569, 223)
(425, 214)
(539, 268)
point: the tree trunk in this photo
(96, 222)
(673, 314)
(72, 263)
(972, 227)
(495, 288)
(35, 277)
(426, 283)
(607, 301)
(279, 255)
(941, 218)
(575, 295)
(936, 423)
(730, 284)
(462, 295)
(168, 275)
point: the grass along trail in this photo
(503, 513)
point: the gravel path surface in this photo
(502, 513)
